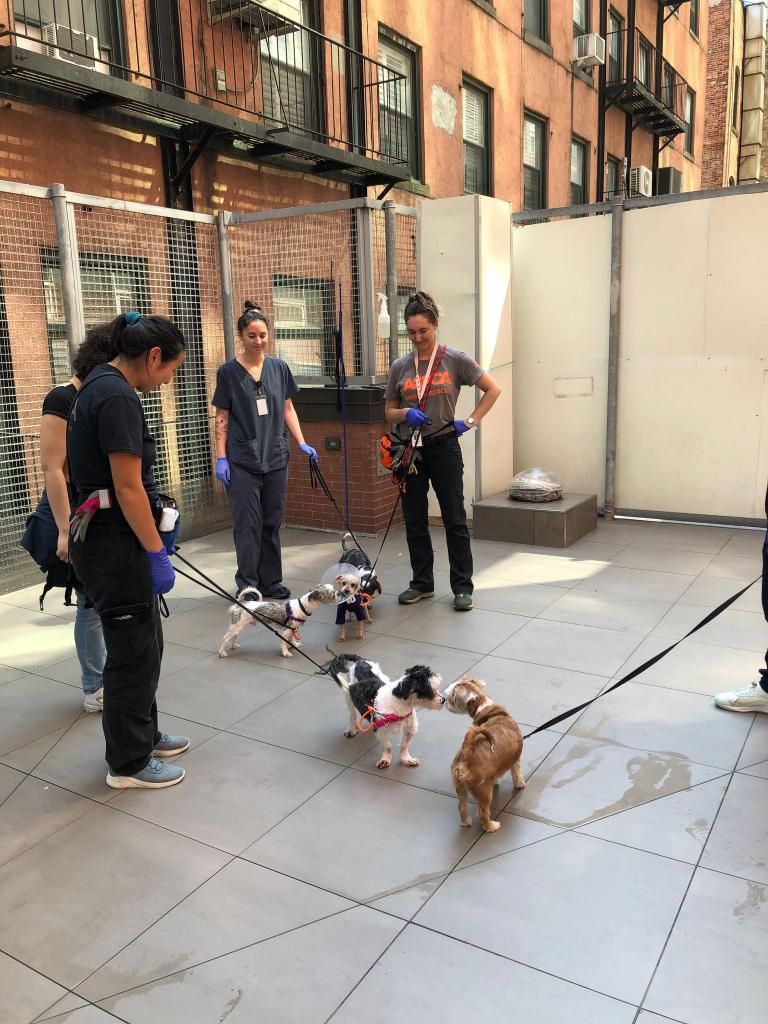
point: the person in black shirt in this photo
(254, 415)
(58, 496)
(122, 560)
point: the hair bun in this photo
(250, 304)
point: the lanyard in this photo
(420, 386)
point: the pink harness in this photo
(380, 722)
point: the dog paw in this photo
(223, 654)
(349, 733)
(466, 822)
(492, 826)
(286, 654)
(384, 762)
(410, 762)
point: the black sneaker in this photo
(411, 595)
(278, 593)
(463, 603)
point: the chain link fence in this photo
(313, 270)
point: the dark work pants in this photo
(442, 466)
(114, 570)
(764, 671)
(258, 502)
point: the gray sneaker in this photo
(167, 745)
(411, 595)
(94, 701)
(463, 603)
(155, 776)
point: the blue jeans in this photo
(89, 642)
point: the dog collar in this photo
(377, 721)
(306, 612)
(494, 711)
(290, 617)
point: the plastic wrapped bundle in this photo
(535, 485)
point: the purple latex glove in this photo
(222, 470)
(309, 450)
(416, 418)
(163, 575)
(461, 427)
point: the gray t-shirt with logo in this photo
(456, 369)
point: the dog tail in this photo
(246, 594)
(344, 539)
(483, 734)
(338, 668)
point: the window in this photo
(615, 47)
(690, 121)
(304, 321)
(580, 17)
(289, 82)
(534, 163)
(736, 99)
(579, 156)
(668, 85)
(477, 139)
(644, 62)
(398, 121)
(88, 31)
(613, 173)
(536, 19)
(694, 16)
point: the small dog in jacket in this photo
(370, 588)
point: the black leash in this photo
(646, 664)
(213, 587)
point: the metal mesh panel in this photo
(406, 277)
(26, 364)
(300, 269)
(167, 266)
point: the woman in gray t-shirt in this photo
(440, 462)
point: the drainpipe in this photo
(601, 77)
(614, 337)
(753, 94)
(66, 238)
(223, 221)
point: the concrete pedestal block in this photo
(552, 524)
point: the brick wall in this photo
(717, 110)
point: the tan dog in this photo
(492, 746)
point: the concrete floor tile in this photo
(710, 591)
(516, 596)
(85, 893)
(302, 976)
(480, 630)
(393, 836)
(621, 904)
(698, 668)
(583, 780)
(84, 1015)
(32, 707)
(745, 543)
(34, 811)
(713, 969)
(407, 902)
(311, 719)
(395, 655)
(514, 833)
(738, 842)
(638, 583)
(8, 674)
(33, 639)
(733, 567)
(670, 722)
(10, 780)
(25, 993)
(562, 645)
(177, 657)
(746, 631)
(235, 790)
(552, 569)
(592, 608)
(640, 555)
(66, 1005)
(756, 748)
(673, 826)
(26, 758)
(241, 905)
(473, 986)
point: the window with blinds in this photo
(578, 172)
(289, 79)
(477, 157)
(397, 104)
(690, 121)
(534, 163)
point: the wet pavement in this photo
(287, 879)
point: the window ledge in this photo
(538, 44)
(417, 188)
(689, 156)
(485, 6)
(695, 35)
(583, 76)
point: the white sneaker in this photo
(751, 698)
(94, 701)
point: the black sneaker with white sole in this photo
(411, 595)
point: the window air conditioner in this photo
(640, 181)
(248, 10)
(64, 43)
(669, 180)
(588, 51)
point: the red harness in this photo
(380, 722)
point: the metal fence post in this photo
(614, 338)
(365, 291)
(223, 220)
(390, 239)
(66, 238)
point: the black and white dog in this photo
(377, 703)
(370, 588)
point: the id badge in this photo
(261, 406)
(417, 442)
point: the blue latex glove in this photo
(461, 427)
(222, 470)
(309, 450)
(416, 418)
(163, 575)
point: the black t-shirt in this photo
(107, 418)
(257, 443)
(59, 401)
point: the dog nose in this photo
(442, 698)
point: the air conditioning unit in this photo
(669, 180)
(640, 181)
(64, 43)
(588, 51)
(247, 11)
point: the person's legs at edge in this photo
(416, 515)
(270, 566)
(91, 653)
(754, 697)
(247, 522)
(446, 473)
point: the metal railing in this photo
(235, 55)
(643, 71)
